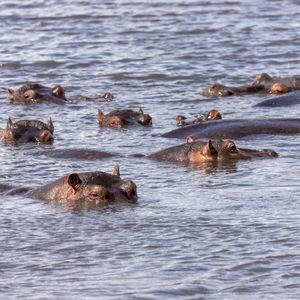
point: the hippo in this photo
(106, 97)
(26, 131)
(189, 152)
(123, 117)
(213, 114)
(217, 90)
(74, 154)
(288, 99)
(265, 80)
(236, 129)
(194, 151)
(83, 190)
(32, 93)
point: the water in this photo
(230, 233)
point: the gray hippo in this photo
(26, 131)
(123, 117)
(263, 83)
(33, 93)
(288, 99)
(83, 190)
(217, 90)
(236, 129)
(265, 80)
(194, 151)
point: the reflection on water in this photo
(225, 230)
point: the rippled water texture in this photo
(229, 233)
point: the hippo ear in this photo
(58, 91)
(9, 124)
(116, 170)
(190, 139)
(210, 149)
(11, 94)
(141, 111)
(50, 125)
(74, 181)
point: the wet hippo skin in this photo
(289, 99)
(236, 129)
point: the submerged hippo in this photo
(189, 152)
(74, 154)
(288, 99)
(33, 93)
(265, 80)
(217, 90)
(197, 152)
(26, 131)
(236, 129)
(211, 115)
(106, 97)
(123, 117)
(83, 190)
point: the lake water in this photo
(229, 233)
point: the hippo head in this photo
(144, 119)
(278, 89)
(99, 188)
(114, 121)
(217, 90)
(213, 115)
(108, 96)
(263, 79)
(200, 153)
(229, 151)
(32, 93)
(180, 121)
(25, 131)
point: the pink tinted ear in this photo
(50, 125)
(190, 139)
(116, 170)
(10, 94)
(74, 181)
(9, 124)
